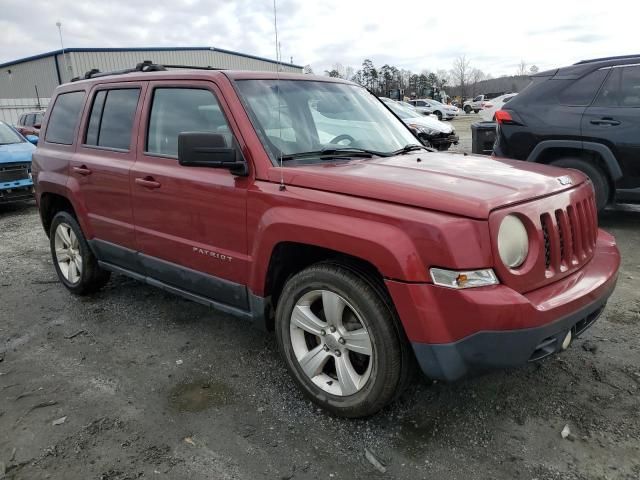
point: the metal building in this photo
(28, 83)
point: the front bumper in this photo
(458, 332)
(443, 139)
(16, 191)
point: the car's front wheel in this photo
(438, 114)
(339, 340)
(467, 109)
(596, 175)
(75, 264)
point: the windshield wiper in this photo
(409, 148)
(335, 153)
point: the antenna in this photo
(275, 27)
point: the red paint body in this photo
(401, 215)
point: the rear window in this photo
(111, 119)
(64, 118)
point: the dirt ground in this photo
(135, 383)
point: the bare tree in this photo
(522, 69)
(475, 77)
(460, 73)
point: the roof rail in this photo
(145, 66)
(603, 59)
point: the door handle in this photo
(82, 170)
(147, 182)
(605, 121)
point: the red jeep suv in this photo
(304, 204)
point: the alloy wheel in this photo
(67, 252)
(331, 342)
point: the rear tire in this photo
(596, 175)
(75, 264)
(381, 373)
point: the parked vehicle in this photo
(431, 132)
(586, 117)
(440, 110)
(29, 123)
(302, 203)
(492, 106)
(15, 165)
(480, 102)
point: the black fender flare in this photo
(605, 153)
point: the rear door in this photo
(105, 154)
(190, 221)
(614, 119)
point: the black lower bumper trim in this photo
(484, 351)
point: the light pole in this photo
(64, 57)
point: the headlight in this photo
(465, 279)
(423, 129)
(513, 241)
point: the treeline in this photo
(461, 80)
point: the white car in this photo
(431, 131)
(492, 106)
(440, 110)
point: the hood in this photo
(16, 152)
(467, 185)
(430, 122)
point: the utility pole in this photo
(64, 57)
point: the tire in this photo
(69, 246)
(377, 377)
(467, 109)
(596, 175)
(476, 111)
(438, 114)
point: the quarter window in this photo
(64, 118)
(581, 92)
(111, 119)
(178, 110)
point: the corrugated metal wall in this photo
(18, 80)
(12, 108)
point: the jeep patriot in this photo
(304, 204)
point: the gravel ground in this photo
(135, 383)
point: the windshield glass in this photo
(402, 111)
(309, 116)
(8, 135)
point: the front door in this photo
(614, 119)
(190, 221)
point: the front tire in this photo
(75, 264)
(338, 339)
(467, 109)
(438, 114)
(476, 111)
(595, 174)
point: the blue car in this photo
(15, 165)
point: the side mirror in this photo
(32, 139)
(205, 149)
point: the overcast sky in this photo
(417, 35)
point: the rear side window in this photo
(111, 120)
(177, 110)
(581, 92)
(622, 88)
(64, 118)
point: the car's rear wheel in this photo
(467, 109)
(596, 175)
(339, 341)
(75, 264)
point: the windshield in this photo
(311, 116)
(8, 135)
(402, 111)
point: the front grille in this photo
(569, 234)
(11, 172)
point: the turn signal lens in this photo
(466, 279)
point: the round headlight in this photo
(513, 241)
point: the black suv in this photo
(587, 117)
